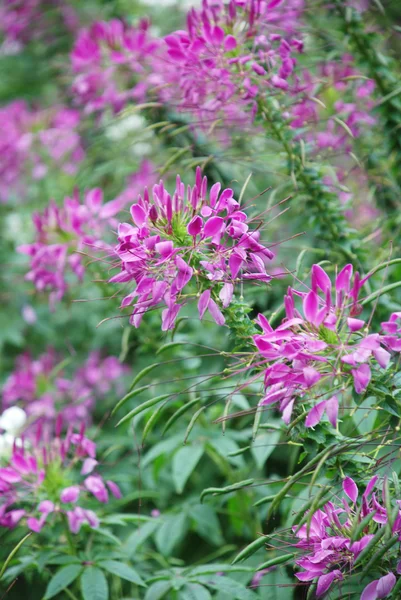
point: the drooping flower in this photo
(316, 353)
(329, 553)
(193, 235)
(45, 480)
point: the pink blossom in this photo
(298, 356)
(191, 237)
(23, 482)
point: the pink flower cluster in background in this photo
(346, 95)
(63, 235)
(51, 479)
(111, 63)
(227, 57)
(33, 142)
(193, 234)
(328, 551)
(22, 21)
(44, 391)
(323, 347)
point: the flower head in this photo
(46, 480)
(193, 235)
(329, 549)
(320, 348)
(110, 61)
(34, 142)
(41, 391)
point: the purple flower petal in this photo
(203, 303)
(315, 415)
(320, 279)
(324, 582)
(385, 585)
(332, 410)
(311, 306)
(216, 313)
(213, 226)
(369, 593)
(362, 377)
(138, 215)
(350, 488)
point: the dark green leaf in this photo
(184, 462)
(94, 584)
(61, 580)
(122, 570)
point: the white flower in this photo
(12, 420)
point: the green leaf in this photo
(158, 590)
(192, 422)
(61, 580)
(207, 524)
(194, 591)
(250, 549)
(138, 537)
(230, 587)
(171, 533)
(174, 417)
(227, 489)
(142, 407)
(263, 446)
(184, 462)
(13, 553)
(142, 374)
(122, 570)
(94, 584)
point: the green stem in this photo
(324, 205)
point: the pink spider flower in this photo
(111, 62)
(44, 391)
(315, 352)
(228, 57)
(193, 235)
(345, 95)
(22, 21)
(62, 235)
(329, 553)
(34, 142)
(53, 478)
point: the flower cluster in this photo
(43, 390)
(330, 547)
(315, 354)
(33, 142)
(50, 479)
(347, 98)
(63, 235)
(22, 21)
(111, 61)
(192, 235)
(227, 57)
